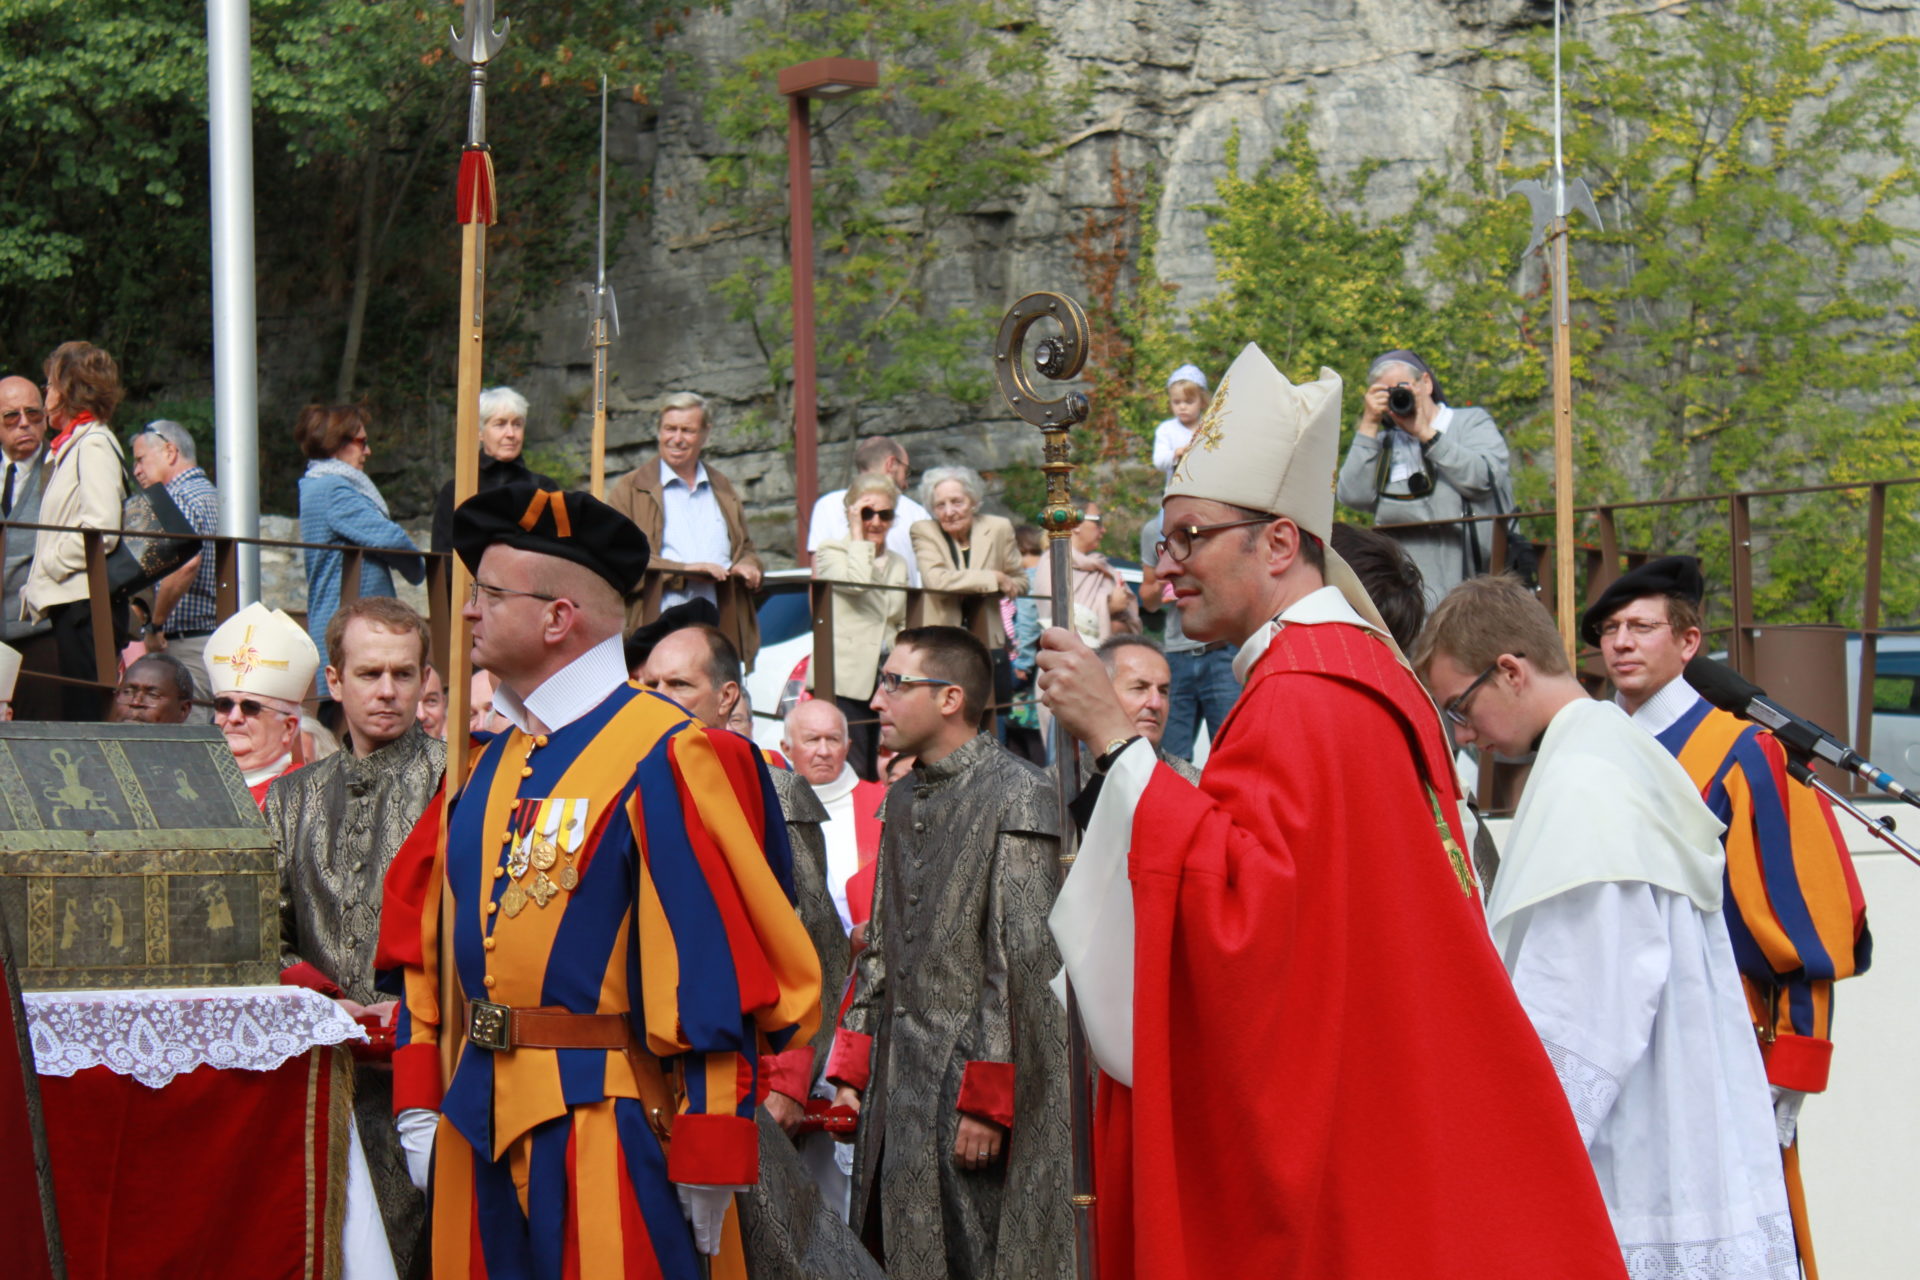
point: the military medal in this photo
(569, 878)
(514, 900)
(545, 854)
(541, 890)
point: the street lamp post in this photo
(821, 78)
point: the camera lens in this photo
(1400, 399)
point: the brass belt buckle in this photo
(489, 1025)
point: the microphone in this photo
(1728, 690)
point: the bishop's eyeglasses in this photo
(1179, 540)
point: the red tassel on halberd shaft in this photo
(474, 195)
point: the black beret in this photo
(572, 526)
(689, 613)
(1667, 576)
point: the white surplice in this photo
(1607, 915)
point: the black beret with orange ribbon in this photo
(570, 525)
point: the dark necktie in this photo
(6, 499)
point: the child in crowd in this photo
(1187, 399)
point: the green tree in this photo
(962, 123)
(359, 113)
(1744, 320)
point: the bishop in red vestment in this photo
(1312, 1062)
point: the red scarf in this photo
(60, 440)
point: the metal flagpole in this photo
(236, 391)
(475, 211)
(605, 313)
(1059, 358)
(1550, 208)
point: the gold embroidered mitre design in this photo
(263, 651)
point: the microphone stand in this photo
(1800, 767)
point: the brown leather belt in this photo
(501, 1028)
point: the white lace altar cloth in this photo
(155, 1035)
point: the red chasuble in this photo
(1332, 1075)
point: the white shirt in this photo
(1408, 458)
(1169, 438)
(568, 693)
(1664, 709)
(843, 841)
(829, 521)
(1632, 985)
(692, 531)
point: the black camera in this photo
(1400, 400)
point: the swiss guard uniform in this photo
(619, 891)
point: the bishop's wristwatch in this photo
(1112, 753)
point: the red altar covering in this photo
(237, 1169)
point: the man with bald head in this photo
(698, 667)
(588, 861)
(23, 452)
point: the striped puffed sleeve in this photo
(1799, 908)
(407, 960)
(726, 967)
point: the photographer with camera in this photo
(1414, 459)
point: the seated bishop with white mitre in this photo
(260, 665)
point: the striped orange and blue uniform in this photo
(1794, 906)
(547, 1164)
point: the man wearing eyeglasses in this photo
(1607, 913)
(23, 441)
(1793, 903)
(621, 931)
(954, 1050)
(1103, 605)
(260, 663)
(156, 689)
(1283, 972)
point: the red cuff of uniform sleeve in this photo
(714, 1151)
(790, 1073)
(1799, 1062)
(416, 1077)
(986, 1092)
(305, 975)
(851, 1061)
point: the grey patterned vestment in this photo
(786, 1228)
(338, 824)
(956, 968)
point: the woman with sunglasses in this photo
(869, 608)
(340, 504)
(82, 490)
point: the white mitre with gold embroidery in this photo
(262, 651)
(1269, 445)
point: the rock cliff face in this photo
(1404, 85)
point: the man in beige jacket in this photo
(693, 516)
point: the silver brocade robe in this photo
(786, 1227)
(956, 968)
(338, 824)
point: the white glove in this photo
(416, 1126)
(1786, 1113)
(706, 1210)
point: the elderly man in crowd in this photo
(503, 437)
(1415, 458)
(260, 664)
(338, 823)
(693, 517)
(184, 605)
(156, 689)
(23, 447)
(1103, 605)
(1143, 682)
(815, 739)
(888, 457)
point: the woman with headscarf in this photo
(865, 617)
(340, 504)
(83, 489)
